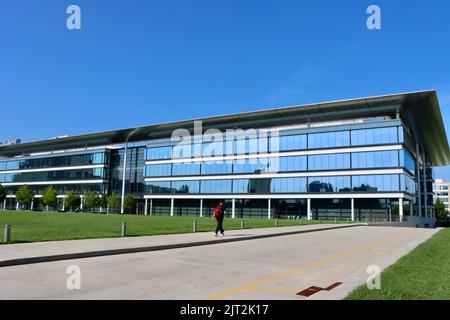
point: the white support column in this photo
(146, 207)
(172, 202)
(308, 209)
(233, 208)
(17, 205)
(81, 203)
(151, 206)
(201, 208)
(32, 204)
(64, 205)
(353, 208)
(400, 209)
(268, 209)
(4, 204)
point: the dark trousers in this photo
(219, 225)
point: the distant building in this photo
(13, 141)
(440, 190)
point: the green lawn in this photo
(28, 226)
(422, 274)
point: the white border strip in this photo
(277, 154)
(281, 175)
(41, 183)
(336, 195)
(54, 169)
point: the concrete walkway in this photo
(26, 253)
(269, 269)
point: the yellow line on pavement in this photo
(250, 286)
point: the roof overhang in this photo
(420, 109)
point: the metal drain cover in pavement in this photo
(312, 290)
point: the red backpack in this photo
(218, 212)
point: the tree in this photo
(102, 202)
(129, 203)
(24, 195)
(441, 211)
(2, 194)
(49, 197)
(113, 201)
(91, 200)
(73, 200)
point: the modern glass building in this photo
(353, 160)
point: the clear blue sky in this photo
(140, 62)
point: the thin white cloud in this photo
(296, 87)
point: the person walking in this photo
(219, 214)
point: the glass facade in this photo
(332, 184)
(329, 184)
(134, 177)
(375, 136)
(55, 161)
(82, 174)
(280, 143)
(374, 183)
(377, 159)
(322, 162)
(407, 161)
(329, 162)
(289, 143)
(216, 186)
(297, 161)
(64, 188)
(329, 140)
(185, 169)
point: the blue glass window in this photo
(285, 143)
(256, 165)
(158, 153)
(216, 167)
(186, 186)
(407, 161)
(213, 149)
(98, 158)
(251, 186)
(407, 184)
(251, 146)
(186, 169)
(215, 186)
(374, 183)
(329, 184)
(401, 137)
(158, 170)
(288, 185)
(376, 159)
(289, 164)
(329, 161)
(328, 139)
(158, 187)
(374, 136)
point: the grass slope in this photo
(28, 226)
(422, 274)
